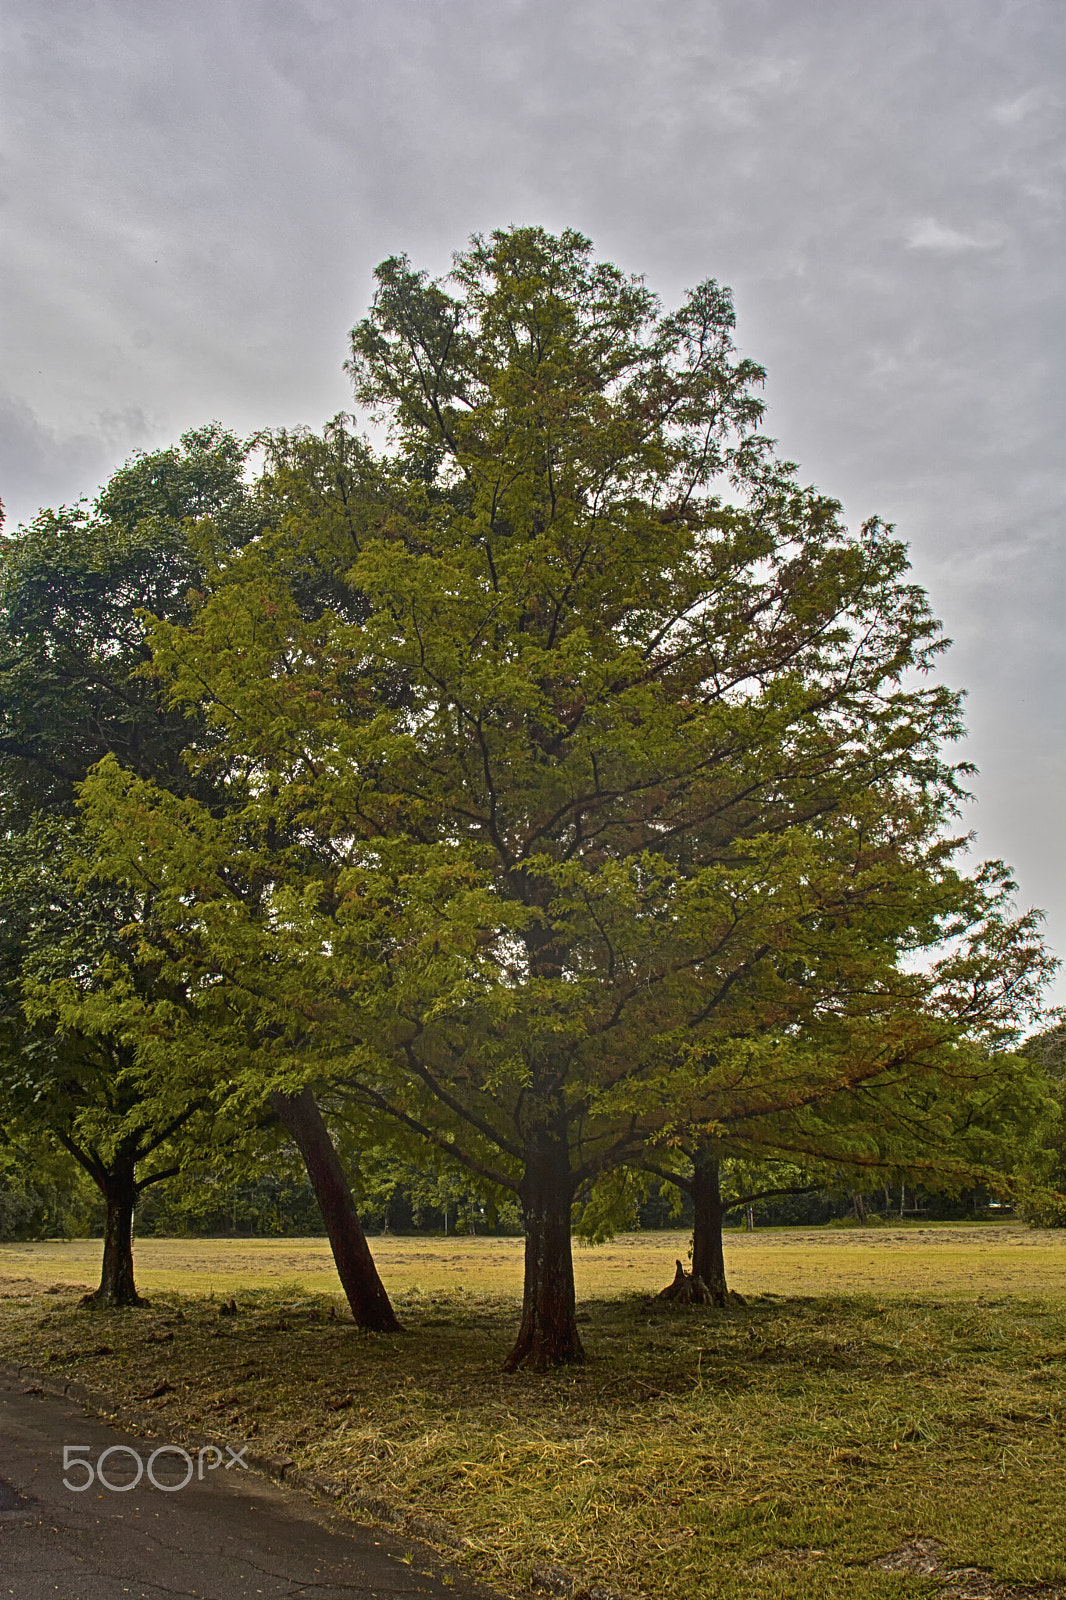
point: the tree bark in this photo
(708, 1260)
(370, 1305)
(119, 1188)
(548, 1335)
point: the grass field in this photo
(821, 1440)
(949, 1259)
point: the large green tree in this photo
(616, 748)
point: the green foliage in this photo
(577, 778)
(398, 1194)
(72, 648)
(73, 687)
(43, 1193)
(210, 1202)
(1042, 1157)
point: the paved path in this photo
(233, 1535)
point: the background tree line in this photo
(43, 1199)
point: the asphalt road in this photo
(230, 1536)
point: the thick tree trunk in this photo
(366, 1294)
(708, 1260)
(548, 1336)
(119, 1189)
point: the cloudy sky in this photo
(193, 197)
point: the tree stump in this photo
(686, 1290)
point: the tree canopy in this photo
(583, 773)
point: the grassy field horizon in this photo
(941, 1258)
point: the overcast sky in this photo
(193, 197)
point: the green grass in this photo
(775, 1449)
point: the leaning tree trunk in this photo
(548, 1335)
(119, 1189)
(708, 1260)
(365, 1291)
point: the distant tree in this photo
(43, 1193)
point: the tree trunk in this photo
(548, 1336)
(708, 1261)
(119, 1189)
(365, 1291)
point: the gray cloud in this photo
(193, 199)
(929, 234)
(41, 465)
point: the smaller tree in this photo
(63, 1077)
(717, 1185)
(913, 1099)
(74, 587)
(71, 689)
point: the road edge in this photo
(435, 1531)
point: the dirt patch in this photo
(924, 1558)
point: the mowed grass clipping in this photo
(781, 1448)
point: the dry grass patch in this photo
(775, 1449)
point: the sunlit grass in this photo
(946, 1259)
